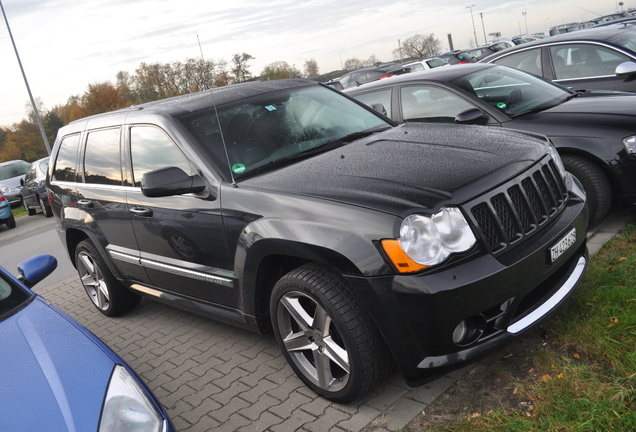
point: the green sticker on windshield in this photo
(238, 168)
(501, 105)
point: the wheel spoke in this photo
(297, 312)
(323, 369)
(103, 298)
(298, 341)
(337, 354)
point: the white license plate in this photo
(564, 244)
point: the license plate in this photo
(564, 244)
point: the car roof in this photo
(437, 74)
(598, 34)
(194, 102)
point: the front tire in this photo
(595, 183)
(108, 295)
(46, 210)
(326, 335)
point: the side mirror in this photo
(36, 269)
(170, 181)
(471, 116)
(379, 108)
(626, 68)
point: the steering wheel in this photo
(513, 98)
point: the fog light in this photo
(460, 332)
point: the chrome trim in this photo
(552, 302)
(179, 271)
(124, 257)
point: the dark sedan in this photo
(602, 58)
(33, 192)
(596, 136)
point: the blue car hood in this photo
(43, 386)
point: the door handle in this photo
(141, 211)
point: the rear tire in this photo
(595, 183)
(28, 209)
(108, 295)
(10, 221)
(326, 335)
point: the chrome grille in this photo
(519, 208)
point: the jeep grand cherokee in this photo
(288, 206)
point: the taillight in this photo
(2, 198)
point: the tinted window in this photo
(101, 160)
(528, 60)
(585, 60)
(10, 297)
(151, 148)
(65, 165)
(15, 169)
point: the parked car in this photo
(335, 85)
(602, 58)
(11, 172)
(595, 136)
(426, 63)
(33, 192)
(6, 217)
(458, 57)
(57, 376)
(286, 205)
(372, 73)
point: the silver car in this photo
(11, 172)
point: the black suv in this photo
(286, 205)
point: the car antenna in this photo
(218, 121)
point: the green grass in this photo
(18, 212)
(587, 373)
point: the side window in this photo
(585, 60)
(102, 157)
(430, 104)
(150, 149)
(527, 60)
(378, 97)
(66, 161)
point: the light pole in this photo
(400, 49)
(481, 14)
(526, 20)
(35, 109)
(473, 20)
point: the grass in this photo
(586, 376)
(18, 211)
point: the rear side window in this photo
(66, 162)
(527, 60)
(102, 162)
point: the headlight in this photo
(127, 406)
(428, 240)
(7, 190)
(557, 159)
(630, 145)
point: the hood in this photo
(42, 385)
(410, 166)
(604, 112)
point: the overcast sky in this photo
(65, 45)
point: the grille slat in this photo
(505, 217)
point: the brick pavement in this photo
(211, 376)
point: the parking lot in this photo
(211, 376)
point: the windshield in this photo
(512, 91)
(11, 297)
(14, 169)
(279, 126)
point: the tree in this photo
(276, 70)
(100, 98)
(311, 68)
(419, 46)
(353, 64)
(241, 69)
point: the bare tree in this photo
(241, 69)
(311, 68)
(418, 46)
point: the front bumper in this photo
(503, 295)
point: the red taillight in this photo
(2, 198)
(387, 76)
